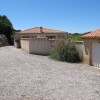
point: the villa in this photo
(38, 40)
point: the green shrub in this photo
(76, 38)
(65, 51)
(54, 54)
(72, 54)
(58, 52)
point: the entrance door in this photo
(96, 54)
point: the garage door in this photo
(96, 54)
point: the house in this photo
(38, 40)
(92, 47)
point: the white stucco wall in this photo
(96, 54)
(39, 46)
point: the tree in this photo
(75, 36)
(6, 28)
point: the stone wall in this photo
(3, 40)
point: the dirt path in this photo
(25, 76)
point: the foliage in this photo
(6, 28)
(64, 37)
(73, 54)
(58, 50)
(75, 37)
(65, 51)
(3, 40)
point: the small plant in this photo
(65, 51)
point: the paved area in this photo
(25, 76)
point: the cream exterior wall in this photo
(88, 49)
(80, 48)
(37, 46)
(25, 44)
(82, 53)
(88, 52)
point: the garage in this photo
(96, 54)
(92, 47)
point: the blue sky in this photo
(68, 15)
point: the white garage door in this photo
(96, 54)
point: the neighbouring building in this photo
(92, 47)
(38, 40)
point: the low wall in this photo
(43, 46)
(36, 45)
(40, 46)
(82, 51)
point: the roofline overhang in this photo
(40, 33)
(90, 37)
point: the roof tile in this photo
(93, 35)
(41, 30)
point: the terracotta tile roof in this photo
(93, 35)
(41, 30)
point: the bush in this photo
(65, 51)
(58, 51)
(72, 54)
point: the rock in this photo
(3, 40)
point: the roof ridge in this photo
(53, 29)
(41, 30)
(30, 28)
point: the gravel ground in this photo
(25, 76)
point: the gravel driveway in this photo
(25, 76)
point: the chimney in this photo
(41, 29)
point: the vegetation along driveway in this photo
(25, 76)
